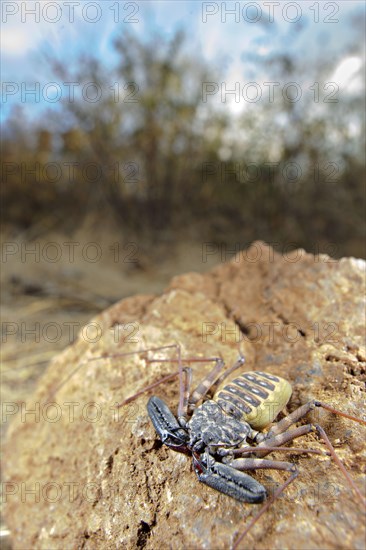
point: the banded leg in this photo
(238, 363)
(274, 443)
(205, 384)
(279, 440)
(257, 463)
(278, 435)
(299, 413)
(244, 464)
(211, 382)
(230, 480)
(184, 392)
(188, 402)
(290, 435)
(284, 437)
(248, 464)
(180, 372)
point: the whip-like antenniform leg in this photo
(280, 434)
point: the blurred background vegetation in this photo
(154, 161)
(158, 159)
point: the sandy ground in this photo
(53, 284)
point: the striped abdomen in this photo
(255, 397)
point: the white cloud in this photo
(348, 74)
(14, 41)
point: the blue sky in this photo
(31, 31)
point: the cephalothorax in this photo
(229, 423)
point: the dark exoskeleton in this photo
(236, 413)
(217, 431)
(204, 436)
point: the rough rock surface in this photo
(100, 476)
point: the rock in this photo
(80, 473)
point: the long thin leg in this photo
(187, 403)
(285, 437)
(211, 382)
(244, 464)
(183, 382)
(253, 450)
(290, 435)
(111, 356)
(185, 379)
(324, 436)
(265, 447)
(256, 464)
(273, 437)
(219, 381)
(184, 396)
(264, 508)
(147, 388)
(182, 372)
(299, 413)
(154, 384)
(280, 439)
(205, 384)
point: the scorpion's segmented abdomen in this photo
(256, 397)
